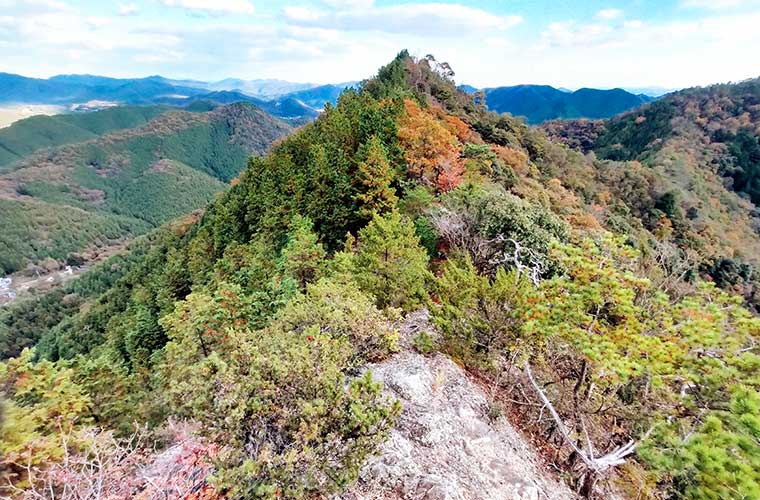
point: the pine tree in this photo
(390, 262)
(375, 175)
(303, 256)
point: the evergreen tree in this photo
(390, 262)
(375, 176)
(303, 255)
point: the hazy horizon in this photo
(601, 45)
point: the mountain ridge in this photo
(540, 103)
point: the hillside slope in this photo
(571, 305)
(61, 201)
(539, 103)
(701, 149)
(38, 132)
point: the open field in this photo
(13, 113)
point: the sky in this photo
(571, 44)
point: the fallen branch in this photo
(596, 465)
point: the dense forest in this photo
(700, 150)
(80, 181)
(602, 295)
(540, 103)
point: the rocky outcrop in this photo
(445, 445)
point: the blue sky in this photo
(635, 43)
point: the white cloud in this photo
(302, 14)
(432, 19)
(214, 6)
(609, 14)
(127, 9)
(348, 4)
(340, 40)
(718, 4)
(573, 34)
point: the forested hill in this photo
(701, 149)
(110, 184)
(539, 103)
(405, 218)
(31, 134)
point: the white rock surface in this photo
(445, 446)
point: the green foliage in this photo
(256, 318)
(344, 312)
(629, 136)
(424, 343)
(390, 264)
(31, 134)
(31, 230)
(22, 324)
(124, 183)
(375, 177)
(484, 161)
(488, 223)
(41, 401)
(719, 459)
(479, 317)
(295, 423)
(745, 148)
(303, 256)
(314, 174)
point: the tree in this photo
(431, 150)
(374, 176)
(303, 256)
(39, 401)
(477, 316)
(390, 263)
(292, 421)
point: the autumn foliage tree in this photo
(431, 149)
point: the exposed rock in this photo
(445, 446)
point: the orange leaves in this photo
(457, 127)
(430, 147)
(513, 158)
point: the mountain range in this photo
(409, 296)
(286, 100)
(539, 103)
(296, 102)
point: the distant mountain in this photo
(265, 88)
(71, 89)
(286, 108)
(651, 91)
(317, 97)
(719, 125)
(292, 101)
(700, 151)
(64, 200)
(540, 103)
(467, 88)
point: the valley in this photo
(116, 173)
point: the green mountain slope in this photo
(38, 132)
(127, 180)
(571, 286)
(539, 103)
